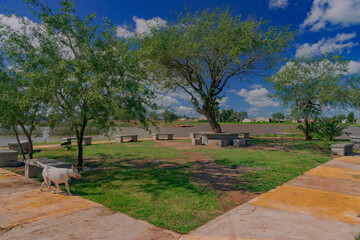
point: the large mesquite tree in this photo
(202, 52)
(91, 74)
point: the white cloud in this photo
(180, 94)
(275, 4)
(336, 12)
(15, 23)
(354, 67)
(124, 32)
(257, 97)
(223, 102)
(184, 110)
(253, 112)
(142, 26)
(166, 101)
(337, 44)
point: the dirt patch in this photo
(231, 199)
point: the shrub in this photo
(329, 128)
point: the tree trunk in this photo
(18, 141)
(28, 137)
(80, 138)
(212, 121)
(307, 130)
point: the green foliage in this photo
(350, 117)
(231, 116)
(307, 85)
(341, 117)
(227, 115)
(202, 51)
(169, 116)
(69, 147)
(92, 75)
(241, 116)
(278, 116)
(309, 129)
(154, 115)
(329, 128)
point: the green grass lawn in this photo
(155, 183)
(270, 168)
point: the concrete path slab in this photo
(27, 213)
(91, 223)
(257, 222)
(324, 203)
(12, 183)
(327, 184)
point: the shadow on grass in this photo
(149, 176)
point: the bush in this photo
(329, 128)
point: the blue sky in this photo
(324, 26)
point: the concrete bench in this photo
(133, 137)
(195, 138)
(342, 149)
(240, 142)
(217, 142)
(280, 134)
(195, 135)
(169, 136)
(33, 168)
(355, 139)
(245, 134)
(8, 158)
(86, 140)
(15, 147)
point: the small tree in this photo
(23, 90)
(201, 52)
(169, 116)
(350, 117)
(306, 85)
(93, 75)
(227, 115)
(154, 115)
(278, 116)
(340, 117)
(240, 116)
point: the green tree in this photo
(278, 116)
(340, 117)
(154, 115)
(93, 75)
(306, 85)
(350, 117)
(240, 116)
(201, 52)
(227, 115)
(169, 116)
(23, 91)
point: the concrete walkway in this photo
(27, 213)
(324, 203)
